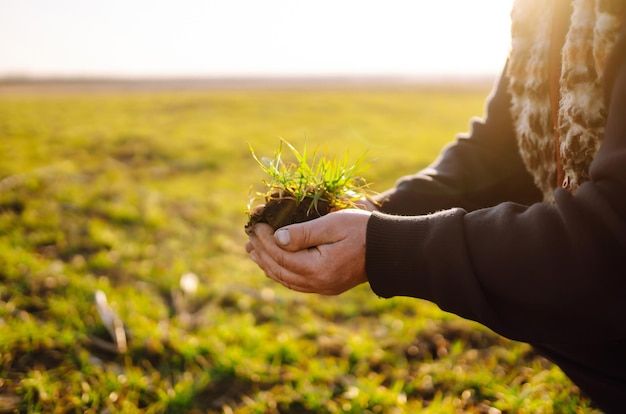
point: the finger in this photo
(263, 235)
(302, 262)
(304, 280)
(308, 234)
(263, 229)
(366, 204)
(276, 272)
(303, 235)
(324, 230)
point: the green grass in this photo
(127, 192)
(320, 177)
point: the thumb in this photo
(304, 235)
(328, 229)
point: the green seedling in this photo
(307, 188)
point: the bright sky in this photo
(253, 37)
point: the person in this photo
(520, 224)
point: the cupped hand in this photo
(325, 255)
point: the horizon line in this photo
(109, 82)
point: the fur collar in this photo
(593, 29)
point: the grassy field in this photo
(126, 192)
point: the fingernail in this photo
(283, 237)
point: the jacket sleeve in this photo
(537, 273)
(479, 169)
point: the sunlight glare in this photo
(248, 37)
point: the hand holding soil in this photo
(326, 256)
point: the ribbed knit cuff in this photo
(392, 254)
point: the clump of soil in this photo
(281, 210)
